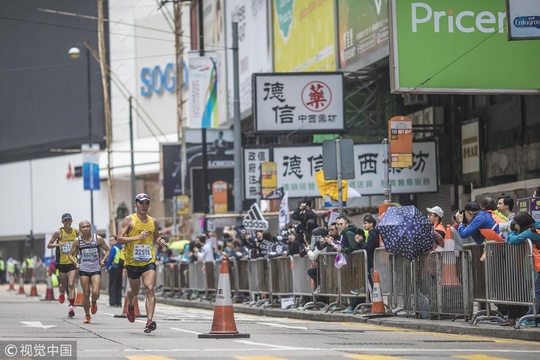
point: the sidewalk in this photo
(459, 327)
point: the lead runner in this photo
(138, 233)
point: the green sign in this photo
(459, 46)
(363, 32)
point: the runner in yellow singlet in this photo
(62, 239)
(138, 233)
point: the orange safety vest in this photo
(491, 234)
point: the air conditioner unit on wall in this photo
(418, 119)
(415, 99)
(433, 115)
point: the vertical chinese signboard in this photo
(401, 147)
(298, 102)
(253, 158)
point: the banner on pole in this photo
(90, 154)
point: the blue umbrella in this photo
(406, 231)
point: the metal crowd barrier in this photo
(197, 278)
(281, 279)
(396, 281)
(510, 277)
(443, 284)
(433, 285)
(301, 282)
(259, 283)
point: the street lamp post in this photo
(75, 53)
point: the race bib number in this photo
(142, 253)
(66, 248)
(89, 255)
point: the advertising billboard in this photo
(450, 46)
(254, 46)
(304, 35)
(523, 19)
(363, 32)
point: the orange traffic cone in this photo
(33, 286)
(126, 302)
(377, 305)
(449, 267)
(49, 294)
(11, 283)
(79, 295)
(21, 284)
(223, 325)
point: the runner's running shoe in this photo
(61, 298)
(131, 313)
(93, 309)
(150, 326)
(86, 319)
(71, 313)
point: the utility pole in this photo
(237, 125)
(107, 111)
(177, 6)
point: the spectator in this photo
(458, 240)
(303, 214)
(505, 206)
(347, 232)
(206, 252)
(435, 215)
(525, 227)
(115, 266)
(2, 271)
(371, 243)
(294, 243)
(321, 243)
(477, 223)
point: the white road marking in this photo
(36, 324)
(187, 331)
(283, 326)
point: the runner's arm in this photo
(52, 243)
(71, 255)
(157, 238)
(106, 249)
(125, 228)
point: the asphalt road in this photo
(29, 321)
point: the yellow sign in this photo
(401, 137)
(304, 35)
(182, 205)
(269, 175)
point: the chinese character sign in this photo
(470, 145)
(298, 102)
(253, 158)
(297, 167)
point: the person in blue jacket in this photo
(525, 227)
(477, 223)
